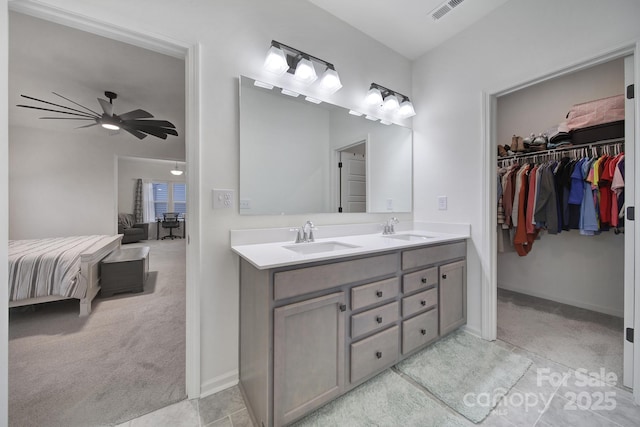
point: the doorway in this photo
(352, 167)
(188, 54)
(491, 281)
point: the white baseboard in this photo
(472, 331)
(592, 307)
(219, 383)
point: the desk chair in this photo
(171, 220)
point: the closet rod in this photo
(564, 148)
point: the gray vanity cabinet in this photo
(313, 331)
(308, 355)
(453, 296)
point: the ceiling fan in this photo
(135, 122)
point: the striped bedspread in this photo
(44, 267)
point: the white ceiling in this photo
(45, 57)
(406, 26)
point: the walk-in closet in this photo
(560, 231)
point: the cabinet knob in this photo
(379, 319)
(379, 354)
(423, 303)
(379, 294)
(343, 307)
(423, 331)
(444, 276)
(423, 280)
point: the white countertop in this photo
(270, 254)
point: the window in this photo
(169, 197)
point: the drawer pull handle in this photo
(379, 294)
(423, 331)
(444, 276)
(423, 303)
(379, 319)
(423, 280)
(379, 354)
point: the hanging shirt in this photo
(546, 212)
(588, 217)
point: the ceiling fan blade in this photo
(57, 111)
(159, 123)
(107, 107)
(51, 103)
(73, 102)
(65, 118)
(136, 114)
(87, 126)
(134, 132)
(159, 132)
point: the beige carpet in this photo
(572, 336)
(124, 360)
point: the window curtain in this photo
(138, 210)
(149, 210)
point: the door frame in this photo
(190, 53)
(488, 251)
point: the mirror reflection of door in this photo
(353, 179)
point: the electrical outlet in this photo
(442, 203)
(223, 199)
(389, 204)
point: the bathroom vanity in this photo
(313, 328)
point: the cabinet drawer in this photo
(373, 319)
(419, 302)
(374, 353)
(433, 254)
(302, 281)
(362, 296)
(419, 330)
(420, 280)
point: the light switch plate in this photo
(223, 199)
(442, 203)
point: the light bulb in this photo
(330, 81)
(276, 62)
(390, 103)
(374, 97)
(406, 109)
(110, 126)
(305, 72)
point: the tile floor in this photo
(549, 394)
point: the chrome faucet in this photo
(304, 233)
(388, 227)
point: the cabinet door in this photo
(453, 296)
(308, 356)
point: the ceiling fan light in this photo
(305, 72)
(374, 97)
(110, 126)
(406, 109)
(330, 81)
(276, 62)
(390, 103)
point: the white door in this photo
(353, 181)
(629, 228)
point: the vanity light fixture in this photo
(176, 171)
(262, 84)
(355, 113)
(385, 122)
(368, 117)
(282, 58)
(390, 100)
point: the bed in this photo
(43, 270)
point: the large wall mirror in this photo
(291, 151)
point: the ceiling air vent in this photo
(444, 8)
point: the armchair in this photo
(132, 231)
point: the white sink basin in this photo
(409, 237)
(319, 247)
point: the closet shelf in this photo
(552, 151)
